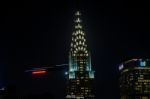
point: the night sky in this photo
(38, 33)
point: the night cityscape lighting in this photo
(135, 79)
(80, 74)
(77, 49)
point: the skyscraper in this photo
(135, 79)
(80, 74)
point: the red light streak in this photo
(38, 72)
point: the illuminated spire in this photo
(79, 48)
(78, 36)
(80, 74)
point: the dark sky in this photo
(38, 32)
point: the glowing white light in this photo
(78, 20)
(66, 73)
(3, 88)
(77, 43)
(78, 27)
(81, 48)
(83, 43)
(79, 37)
(82, 32)
(76, 49)
(79, 31)
(71, 45)
(121, 67)
(84, 40)
(91, 74)
(77, 13)
(80, 43)
(74, 40)
(71, 75)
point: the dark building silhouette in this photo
(80, 75)
(135, 79)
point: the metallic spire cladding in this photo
(79, 50)
(80, 75)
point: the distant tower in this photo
(135, 79)
(80, 74)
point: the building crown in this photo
(78, 42)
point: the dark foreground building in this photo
(80, 75)
(135, 79)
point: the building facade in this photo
(135, 79)
(80, 75)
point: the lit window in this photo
(84, 40)
(82, 37)
(76, 49)
(83, 43)
(82, 33)
(82, 77)
(86, 90)
(71, 45)
(78, 20)
(77, 13)
(79, 31)
(77, 43)
(75, 40)
(81, 48)
(80, 42)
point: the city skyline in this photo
(35, 34)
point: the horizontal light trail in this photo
(38, 72)
(44, 68)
